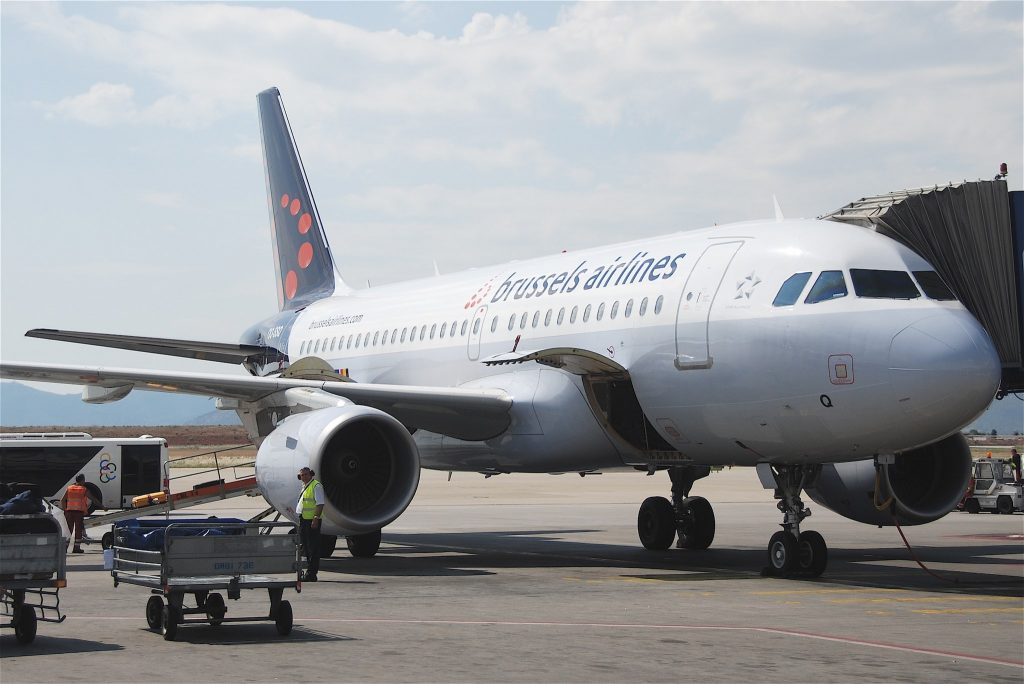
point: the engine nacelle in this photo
(366, 460)
(925, 484)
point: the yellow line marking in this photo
(931, 599)
(964, 611)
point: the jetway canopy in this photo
(972, 233)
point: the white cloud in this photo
(104, 104)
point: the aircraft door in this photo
(692, 348)
(476, 331)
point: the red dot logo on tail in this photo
(305, 254)
(291, 284)
(284, 200)
(294, 207)
(305, 221)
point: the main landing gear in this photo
(691, 517)
(790, 551)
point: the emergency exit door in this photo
(693, 350)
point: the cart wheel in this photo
(215, 608)
(154, 612)
(283, 618)
(107, 540)
(25, 624)
(169, 622)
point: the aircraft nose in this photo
(944, 369)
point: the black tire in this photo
(656, 523)
(1004, 505)
(812, 553)
(782, 552)
(363, 545)
(328, 543)
(216, 609)
(169, 618)
(283, 618)
(95, 491)
(154, 613)
(25, 624)
(972, 506)
(696, 524)
(107, 540)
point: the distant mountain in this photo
(24, 405)
(1005, 416)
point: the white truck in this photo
(994, 488)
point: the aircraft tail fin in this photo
(305, 267)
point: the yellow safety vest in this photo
(309, 501)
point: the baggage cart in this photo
(233, 557)
(33, 570)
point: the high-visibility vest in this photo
(78, 500)
(309, 500)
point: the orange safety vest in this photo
(78, 500)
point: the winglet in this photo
(778, 209)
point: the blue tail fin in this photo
(302, 258)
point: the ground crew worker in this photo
(1015, 460)
(310, 507)
(75, 503)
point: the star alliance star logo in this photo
(745, 287)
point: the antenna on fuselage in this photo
(778, 209)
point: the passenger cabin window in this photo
(572, 314)
(433, 330)
(829, 285)
(443, 326)
(790, 291)
(586, 313)
(463, 328)
(933, 286)
(561, 316)
(511, 322)
(476, 326)
(615, 310)
(657, 304)
(883, 284)
(643, 306)
(494, 324)
(536, 319)
(629, 308)
(600, 311)
(547, 318)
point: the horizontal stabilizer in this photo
(190, 349)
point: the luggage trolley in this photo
(201, 558)
(33, 569)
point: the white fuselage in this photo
(722, 372)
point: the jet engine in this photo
(923, 484)
(366, 460)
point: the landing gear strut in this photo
(691, 517)
(790, 551)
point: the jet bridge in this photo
(973, 233)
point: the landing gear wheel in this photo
(972, 506)
(215, 609)
(696, 524)
(1004, 505)
(283, 618)
(328, 543)
(782, 552)
(154, 612)
(25, 624)
(656, 523)
(811, 553)
(364, 545)
(169, 619)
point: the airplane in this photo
(832, 359)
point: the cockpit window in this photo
(933, 286)
(829, 285)
(883, 284)
(791, 289)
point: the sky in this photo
(133, 194)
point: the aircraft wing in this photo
(471, 414)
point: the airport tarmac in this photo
(541, 579)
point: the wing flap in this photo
(470, 414)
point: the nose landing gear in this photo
(790, 551)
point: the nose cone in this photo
(944, 370)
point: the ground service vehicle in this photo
(116, 470)
(994, 488)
